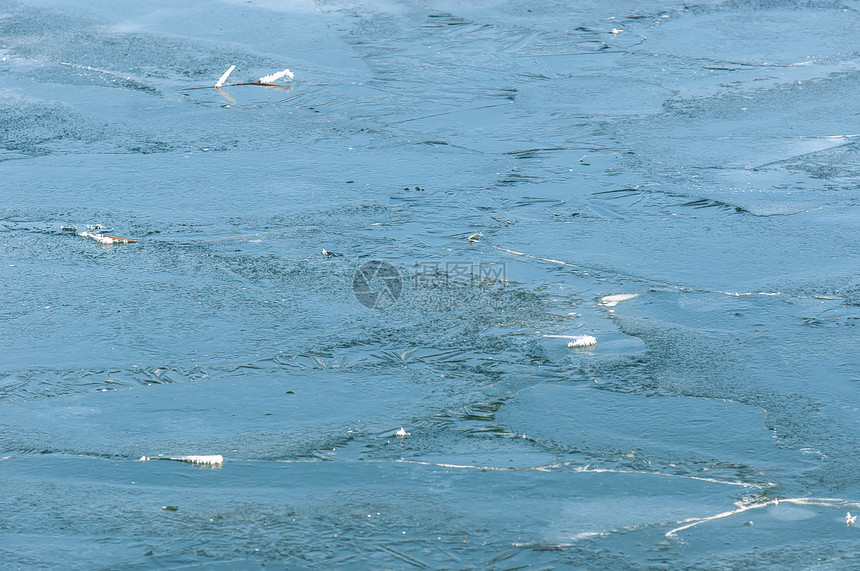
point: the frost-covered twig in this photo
(224, 77)
(104, 239)
(210, 460)
(265, 80)
(270, 79)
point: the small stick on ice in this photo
(220, 82)
(212, 460)
(268, 80)
(582, 341)
(104, 239)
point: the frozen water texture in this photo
(678, 181)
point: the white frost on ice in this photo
(613, 300)
(582, 341)
(276, 76)
(224, 77)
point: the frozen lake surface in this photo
(680, 181)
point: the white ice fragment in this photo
(476, 237)
(616, 31)
(402, 433)
(224, 77)
(850, 519)
(268, 79)
(613, 300)
(582, 341)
